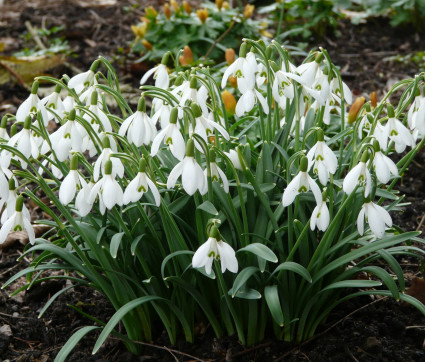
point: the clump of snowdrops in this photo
(246, 210)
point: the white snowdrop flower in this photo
(191, 173)
(282, 89)
(301, 183)
(138, 127)
(245, 67)
(364, 125)
(70, 136)
(5, 173)
(83, 80)
(204, 126)
(215, 248)
(359, 175)
(9, 201)
(71, 183)
(381, 135)
(399, 134)
(320, 216)
(69, 103)
(83, 203)
(172, 137)
(31, 106)
(376, 216)
(3, 129)
(234, 158)
(188, 91)
(139, 185)
(162, 112)
(216, 172)
(54, 106)
(416, 114)
(249, 97)
(86, 96)
(160, 74)
(24, 142)
(55, 170)
(101, 117)
(336, 91)
(107, 189)
(102, 160)
(309, 71)
(322, 159)
(17, 222)
(320, 90)
(383, 165)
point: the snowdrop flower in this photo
(83, 203)
(383, 165)
(107, 189)
(359, 175)
(86, 96)
(139, 127)
(336, 91)
(309, 71)
(215, 248)
(245, 67)
(70, 136)
(234, 158)
(100, 116)
(5, 174)
(189, 92)
(299, 184)
(282, 88)
(54, 103)
(322, 159)
(171, 136)
(376, 216)
(71, 182)
(320, 216)
(17, 222)
(69, 103)
(162, 112)
(216, 172)
(139, 185)
(249, 96)
(83, 80)
(365, 125)
(3, 129)
(193, 177)
(104, 157)
(24, 142)
(399, 134)
(31, 106)
(204, 126)
(160, 74)
(416, 114)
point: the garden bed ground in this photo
(363, 329)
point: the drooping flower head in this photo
(71, 183)
(359, 175)
(31, 106)
(320, 216)
(376, 216)
(160, 74)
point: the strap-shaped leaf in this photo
(208, 207)
(115, 244)
(295, 267)
(353, 284)
(261, 251)
(273, 302)
(72, 342)
(242, 278)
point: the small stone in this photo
(15, 314)
(373, 344)
(5, 330)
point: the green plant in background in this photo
(208, 30)
(244, 215)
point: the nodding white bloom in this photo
(102, 160)
(215, 248)
(319, 90)
(376, 216)
(5, 174)
(234, 158)
(416, 115)
(31, 106)
(320, 216)
(162, 112)
(359, 175)
(70, 136)
(160, 74)
(69, 103)
(322, 159)
(282, 88)
(100, 116)
(54, 106)
(299, 184)
(107, 189)
(171, 136)
(83, 80)
(381, 135)
(139, 185)
(83, 204)
(204, 126)
(193, 178)
(138, 127)
(309, 71)
(71, 182)
(383, 165)
(216, 172)
(25, 142)
(399, 133)
(17, 222)
(336, 91)
(86, 96)
(364, 126)
(188, 91)
(245, 67)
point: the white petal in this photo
(291, 191)
(68, 188)
(190, 179)
(155, 191)
(360, 220)
(227, 257)
(174, 175)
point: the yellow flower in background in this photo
(147, 44)
(140, 30)
(174, 4)
(187, 7)
(229, 101)
(229, 55)
(151, 13)
(355, 108)
(202, 15)
(226, 5)
(167, 11)
(233, 81)
(187, 57)
(248, 11)
(219, 4)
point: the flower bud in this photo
(229, 55)
(248, 11)
(139, 31)
(373, 99)
(229, 101)
(233, 81)
(355, 108)
(147, 44)
(167, 11)
(151, 13)
(174, 5)
(219, 4)
(202, 15)
(3, 122)
(187, 7)
(187, 57)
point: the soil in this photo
(362, 329)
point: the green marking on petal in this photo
(211, 254)
(302, 189)
(141, 188)
(169, 141)
(18, 228)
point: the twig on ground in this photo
(34, 35)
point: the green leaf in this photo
(242, 278)
(261, 251)
(119, 314)
(53, 298)
(115, 244)
(172, 255)
(295, 267)
(208, 207)
(386, 278)
(72, 341)
(353, 284)
(246, 293)
(272, 298)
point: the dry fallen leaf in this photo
(417, 289)
(22, 236)
(94, 3)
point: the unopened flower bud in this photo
(233, 81)
(174, 5)
(390, 111)
(202, 15)
(151, 13)
(147, 44)
(187, 57)
(355, 108)
(248, 11)
(219, 4)
(373, 99)
(229, 55)
(229, 101)
(187, 7)
(167, 11)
